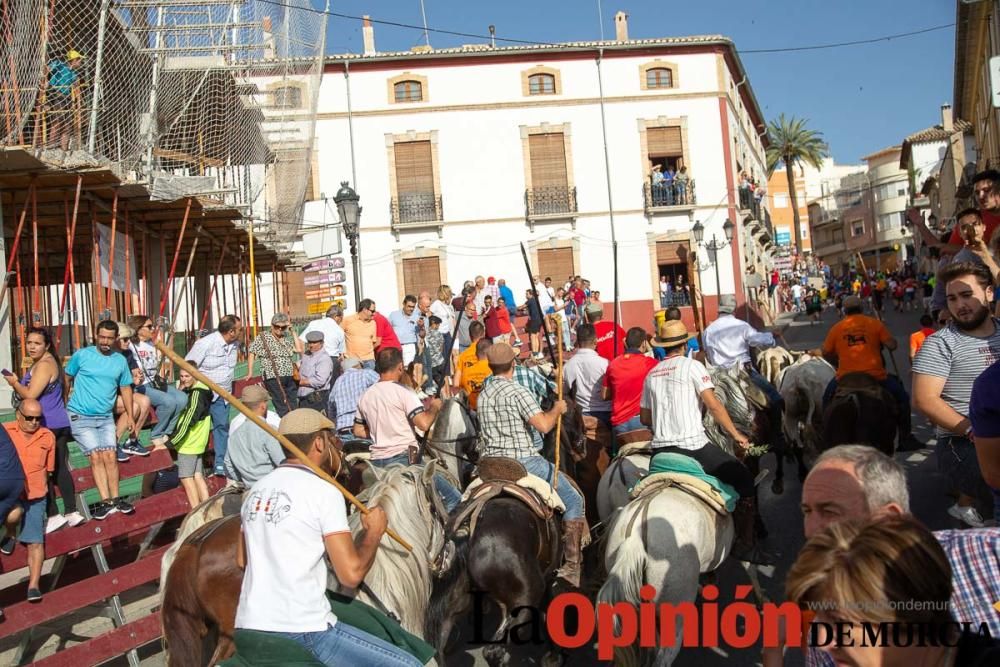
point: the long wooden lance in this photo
(270, 430)
(545, 326)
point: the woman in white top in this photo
(559, 304)
(441, 307)
(167, 400)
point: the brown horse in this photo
(202, 587)
(861, 412)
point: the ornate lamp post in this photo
(347, 200)
(714, 245)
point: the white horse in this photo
(452, 437)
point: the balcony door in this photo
(555, 263)
(415, 181)
(665, 147)
(421, 273)
(550, 191)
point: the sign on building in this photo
(783, 236)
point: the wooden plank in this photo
(62, 601)
(83, 478)
(156, 508)
(107, 646)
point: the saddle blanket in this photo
(532, 483)
(691, 485)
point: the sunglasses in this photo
(30, 418)
(282, 328)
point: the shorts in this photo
(188, 465)
(93, 434)
(33, 522)
(533, 326)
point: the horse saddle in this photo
(649, 485)
(501, 476)
(863, 383)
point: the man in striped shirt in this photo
(508, 414)
(672, 396)
(944, 371)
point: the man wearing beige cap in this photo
(276, 351)
(508, 414)
(293, 521)
(252, 451)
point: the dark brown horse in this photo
(861, 412)
(511, 556)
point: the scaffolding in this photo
(215, 99)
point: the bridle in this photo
(435, 444)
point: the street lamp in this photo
(714, 245)
(347, 200)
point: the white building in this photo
(461, 154)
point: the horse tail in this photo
(452, 582)
(625, 578)
(181, 615)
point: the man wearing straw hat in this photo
(672, 397)
(292, 521)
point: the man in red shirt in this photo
(605, 333)
(623, 383)
(384, 333)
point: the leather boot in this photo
(745, 547)
(573, 532)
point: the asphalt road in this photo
(929, 500)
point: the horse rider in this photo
(508, 416)
(292, 521)
(854, 345)
(672, 397)
(727, 344)
(539, 387)
(388, 414)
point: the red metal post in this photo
(36, 303)
(173, 265)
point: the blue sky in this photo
(862, 98)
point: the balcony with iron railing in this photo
(553, 202)
(750, 202)
(416, 210)
(666, 196)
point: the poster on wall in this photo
(119, 272)
(783, 236)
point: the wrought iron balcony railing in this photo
(664, 194)
(551, 200)
(416, 209)
(749, 202)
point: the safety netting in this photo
(215, 98)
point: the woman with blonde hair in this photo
(888, 576)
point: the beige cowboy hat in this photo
(671, 334)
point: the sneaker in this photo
(133, 447)
(122, 456)
(517, 343)
(123, 506)
(103, 510)
(7, 546)
(219, 472)
(55, 523)
(74, 519)
(34, 595)
(967, 515)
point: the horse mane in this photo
(402, 580)
(731, 395)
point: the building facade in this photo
(780, 205)
(977, 39)
(461, 155)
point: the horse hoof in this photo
(778, 487)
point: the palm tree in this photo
(792, 143)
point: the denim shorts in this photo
(93, 434)
(33, 522)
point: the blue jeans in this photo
(632, 424)
(93, 434)
(219, 411)
(450, 496)
(168, 405)
(891, 384)
(342, 644)
(573, 501)
(775, 408)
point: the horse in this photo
(452, 438)
(802, 386)
(200, 590)
(861, 412)
(504, 555)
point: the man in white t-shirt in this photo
(672, 397)
(797, 296)
(292, 519)
(388, 414)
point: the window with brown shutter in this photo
(664, 142)
(659, 77)
(548, 160)
(555, 263)
(421, 273)
(414, 168)
(672, 252)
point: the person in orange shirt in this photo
(36, 446)
(917, 338)
(854, 345)
(474, 374)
